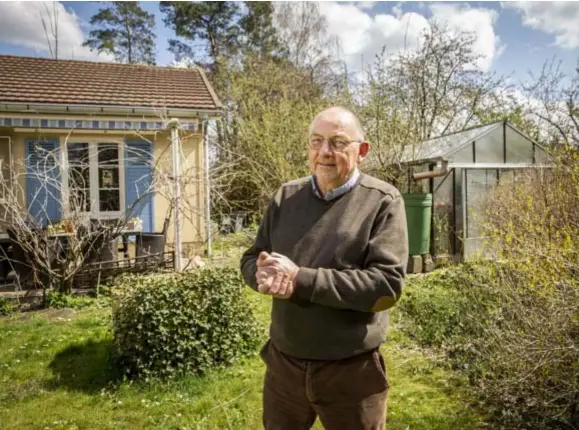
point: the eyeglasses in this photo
(335, 143)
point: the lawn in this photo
(55, 373)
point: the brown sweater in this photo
(352, 253)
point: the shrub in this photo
(168, 325)
(58, 300)
(516, 341)
(533, 227)
(6, 308)
(440, 308)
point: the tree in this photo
(302, 31)
(554, 103)
(414, 95)
(211, 22)
(259, 34)
(442, 84)
(265, 126)
(126, 31)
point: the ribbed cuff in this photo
(305, 283)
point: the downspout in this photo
(207, 189)
(176, 156)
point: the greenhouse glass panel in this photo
(462, 156)
(507, 176)
(442, 146)
(442, 213)
(489, 148)
(519, 148)
(478, 183)
(541, 156)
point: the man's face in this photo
(335, 149)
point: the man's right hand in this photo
(272, 282)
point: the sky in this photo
(513, 38)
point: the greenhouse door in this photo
(478, 182)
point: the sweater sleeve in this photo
(261, 243)
(378, 285)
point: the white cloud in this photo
(183, 63)
(366, 5)
(557, 18)
(21, 25)
(363, 36)
(479, 21)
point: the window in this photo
(79, 177)
(109, 191)
(94, 178)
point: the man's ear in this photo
(364, 149)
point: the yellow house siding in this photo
(192, 206)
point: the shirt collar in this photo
(337, 192)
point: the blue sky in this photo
(513, 38)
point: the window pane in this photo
(108, 153)
(542, 157)
(478, 184)
(78, 154)
(108, 177)
(463, 156)
(489, 148)
(109, 200)
(79, 200)
(79, 177)
(519, 148)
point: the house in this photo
(457, 170)
(55, 113)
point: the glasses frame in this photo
(331, 146)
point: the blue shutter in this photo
(43, 196)
(138, 182)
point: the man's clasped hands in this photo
(276, 275)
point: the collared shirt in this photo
(337, 192)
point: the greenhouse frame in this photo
(460, 168)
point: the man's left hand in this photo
(286, 271)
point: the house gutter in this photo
(108, 110)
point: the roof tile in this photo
(43, 80)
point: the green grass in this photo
(55, 373)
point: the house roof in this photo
(441, 146)
(71, 82)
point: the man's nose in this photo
(325, 148)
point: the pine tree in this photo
(259, 35)
(126, 31)
(211, 22)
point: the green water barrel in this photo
(418, 216)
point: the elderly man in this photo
(331, 250)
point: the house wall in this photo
(192, 224)
(192, 192)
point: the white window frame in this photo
(93, 143)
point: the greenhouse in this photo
(444, 177)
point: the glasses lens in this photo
(338, 143)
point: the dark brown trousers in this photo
(346, 394)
